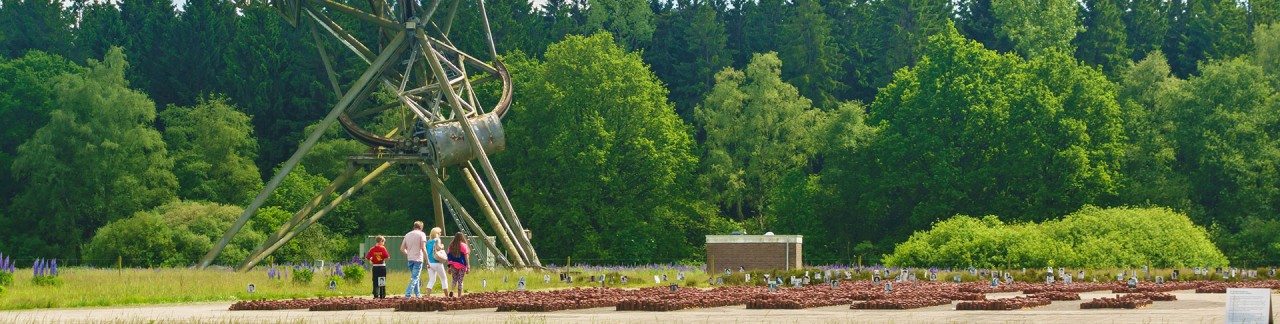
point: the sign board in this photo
(849, 276)
(875, 279)
(520, 285)
(956, 278)
(1066, 280)
(1159, 280)
(382, 281)
(1248, 305)
(835, 284)
(1133, 282)
(624, 280)
(773, 286)
(674, 287)
(746, 278)
(333, 285)
(680, 276)
(933, 276)
(888, 287)
(252, 288)
(1174, 275)
(546, 279)
(657, 279)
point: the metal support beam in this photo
(255, 258)
(357, 88)
(301, 215)
(462, 212)
(503, 202)
(515, 254)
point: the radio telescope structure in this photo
(445, 124)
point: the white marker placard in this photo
(1248, 305)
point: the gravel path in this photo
(1189, 308)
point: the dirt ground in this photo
(1189, 308)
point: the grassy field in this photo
(83, 287)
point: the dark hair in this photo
(455, 248)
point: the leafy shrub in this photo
(46, 281)
(353, 273)
(1092, 238)
(334, 279)
(175, 234)
(2, 290)
(303, 275)
(6, 278)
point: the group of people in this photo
(420, 248)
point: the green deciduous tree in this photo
(1150, 177)
(213, 147)
(176, 234)
(97, 160)
(1227, 119)
(598, 164)
(1038, 26)
(956, 138)
(757, 129)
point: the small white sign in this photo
(1248, 305)
(657, 279)
(252, 288)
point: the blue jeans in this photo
(415, 268)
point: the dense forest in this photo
(136, 130)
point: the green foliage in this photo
(213, 149)
(757, 128)
(41, 25)
(354, 274)
(813, 62)
(1227, 119)
(302, 275)
(1090, 238)
(97, 160)
(630, 21)
(174, 234)
(26, 98)
(46, 281)
(6, 278)
(596, 120)
(1038, 26)
(1150, 159)
(1266, 51)
(1103, 41)
(955, 139)
(689, 46)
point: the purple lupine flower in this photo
(35, 269)
(53, 268)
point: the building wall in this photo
(753, 256)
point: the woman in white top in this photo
(435, 267)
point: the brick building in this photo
(753, 252)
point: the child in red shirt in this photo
(377, 257)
